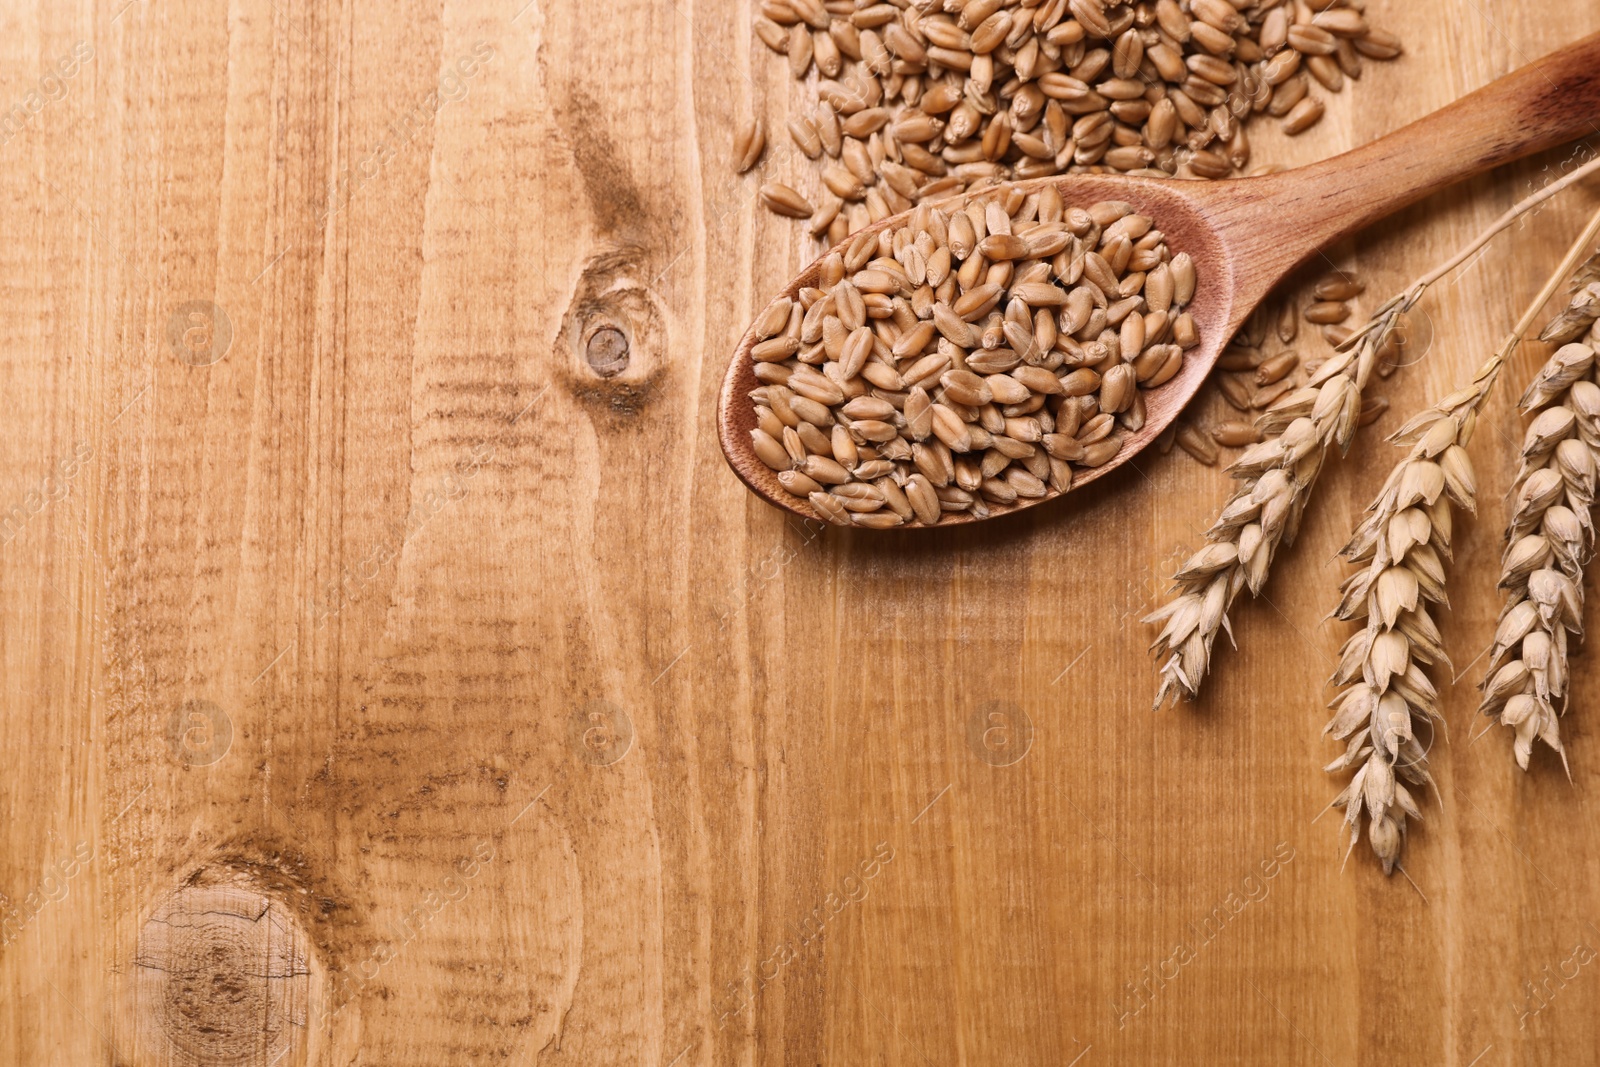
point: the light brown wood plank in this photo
(394, 688)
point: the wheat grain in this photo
(1236, 392)
(1235, 434)
(1198, 445)
(1239, 357)
(1304, 115)
(1276, 368)
(783, 200)
(1337, 335)
(1267, 396)
(941, 97)
(969, 359)
(1340, 286)
(749, 144)
(1288, 324)
(1327, 312)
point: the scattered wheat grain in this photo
(1235, 434)
(1327, 312)
(1197, 444)
(749, 144)
(1276, 368)
(942, 97)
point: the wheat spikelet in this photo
(1276, 477)
(1550, 538)
(1582, 311)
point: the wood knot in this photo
(616, 331)
(223, 977)
(607, 351)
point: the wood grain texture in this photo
(383, 685)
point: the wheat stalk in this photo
(1278, 474)
(1550, 538)
(1403, 546)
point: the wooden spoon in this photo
(1245, 234)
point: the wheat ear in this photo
(1402, 547)
(1275, 479)
(1550, 539)
(1277, 476)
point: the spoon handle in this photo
(1549, 102)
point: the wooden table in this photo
(383, 685)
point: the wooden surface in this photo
(382, 685)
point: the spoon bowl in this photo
(1246, 234)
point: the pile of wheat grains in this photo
(919, 99)
(968, 358)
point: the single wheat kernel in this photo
(1235, 434)
(749, 144)
(1198, 445)
(1327, 312)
